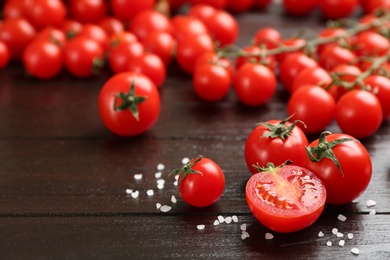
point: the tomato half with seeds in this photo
(286, 198)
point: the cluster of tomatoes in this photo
(338, 75)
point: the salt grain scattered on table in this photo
(216, 222)
(158, 205)
(243, 226)
(200, 227)
(173, 199)
(334, 231)
(355, 251)
(150, 192)
(350, 235)
(138, 176)
(129, 191)
(228, 220)
(221, 219)
(372, 212)
(355, 201)
(269, 236)
(135, 194)
(185, 160)
(175, 183)
(320, 234)
(341, 242)
(339, 234)
(157, 175)
(370, 203)
(160, 166)
(165, 208)
(329, 243)
(235, 219)
(244, 235)
(341, 217)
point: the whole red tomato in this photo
(275, 141)
(359, 113)
(286, 198)
(88, 11)
(380, 85)
(343, 164)
(120, 56)
(125, 10)
(129, 104)
(162, 44)
(332, 9)
(333, 55)
(298, 7)
(4, 55)
(43, 13)
(201, 182)
(268, 36)
(311, 76)
(246, 84)
(371, 44)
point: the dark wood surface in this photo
(63, 176)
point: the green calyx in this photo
(280, 130)
(270, 167)
(324, 149)
(129, 101)
(187, 169)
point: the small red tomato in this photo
(333, 55)
(342, 163)
(359, 113)
(121, 55)
(338, 9)
(254, 53)
(185, 27)
(96, 33)
(268, 36)
(223, 27)
(4, 55)
(125, 10)
(162, 44)
(371, 44)
(298, 7)
(311, 76)
(380, 85)
(129, 104)
(88, 11)
(254, 84)
(286, 198)
(111, 25)
(43, 13)
(275, 141)
(201, 182)
(211, 82)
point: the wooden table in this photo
(63, 176)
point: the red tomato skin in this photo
(268, 36)
(247, 87)
(334, 9)
(202, 190)
(381, 87)
(359, 113)
(371, 44)
(333, 55)
(311, 76)
(162, 44)
(123, 123)
(43, 13)
(312, 105)
(88, 11)
(5, 56)
(279, 218)
(121, 55)
(264, 150)
(355, 163)
(223, 27)
(125, 10)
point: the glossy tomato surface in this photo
(286, 199)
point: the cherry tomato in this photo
(343, 164)
(42, 59)
(211, 82)
(120, 37)
(338, 9)
(235, 6)
(223, 27)
(212, 57)
(189, 49)
(297, 43)
(247, 87)
(162, 44)
(292, 66)
(88, 11)
(381, 87)
(122, 54)
(95, 33)
(125, 10)
(186, 27)
(285, 199)
(129, 104)
(111, 25)
(16, 33)
(345, 73)
(219, 4)
(268, 36)
(83, 57)
(254, 54)
(311, 76)
(371, 44)
(71, 28)
(369, 6)
(150, 65)
(312, 105)
(52, 34)
(333, 55)
(298, 7)
(201, 182)
(275, 141)
(147, 21)
(14, 9)
(5, 56)
(330, 32)
(43, 13)
(359, 113)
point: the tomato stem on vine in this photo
(187, 169)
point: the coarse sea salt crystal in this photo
(244, 235)
(175, 183)
(135, 194)
(334, 231)
(200, 227)
(339, 234)
(221, 219)
(329, 243)
(243, 227)
(341, 242)
(160, 166)
(138, 176)
(150, 192)
(158, 205)
(372, 212)
(165, 208)
(185, 160)
(370, 203)
(216, 222)
(350, 235)
(269, 236)
(320, 234)
(173, 199)
(355, 201)
(355, 251)
(235, 219)
(157, 175)
(129, 191)
(341, 217)
(228, 220)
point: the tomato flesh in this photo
(287, 200)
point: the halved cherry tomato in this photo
(287, 198)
